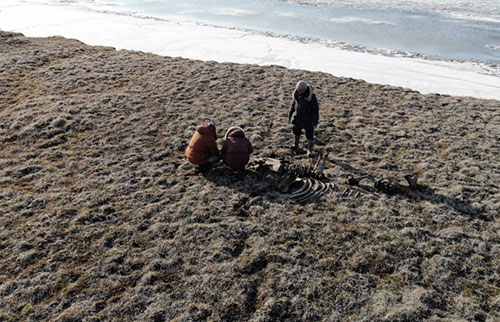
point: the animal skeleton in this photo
(304, 182)
(299, 182)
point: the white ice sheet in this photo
(196, 41)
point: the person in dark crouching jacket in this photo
(202, 150)
(236, 149)
(304, 115)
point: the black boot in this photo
(295, 145)
(310, 146)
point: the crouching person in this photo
(202, 150)
(236, 149)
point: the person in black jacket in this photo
(304, 115)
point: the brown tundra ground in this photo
(102, 218)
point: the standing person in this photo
(202, 150)
(236, 149)
(304, 115)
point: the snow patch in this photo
(494, 47)
(361, 20)
(204, 42)
(236, 12)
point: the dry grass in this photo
(101, 217)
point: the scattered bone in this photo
(352, 181)
(299, 182)
(316, 164)
(412, 181)
(321, 168)
(302, 183)
(271, 164)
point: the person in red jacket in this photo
(236, 149)
(202, 150)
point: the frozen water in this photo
(340, 41)
(425, 33)
(487, 10)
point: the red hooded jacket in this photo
(236, 149)
(202, 144)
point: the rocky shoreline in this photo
(103, 219)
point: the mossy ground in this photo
(103, 219)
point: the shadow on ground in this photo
(424, 193)
(247, 181)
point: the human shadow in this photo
(417, 192)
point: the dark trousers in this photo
(208, 164)
(297, 131)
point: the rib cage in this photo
(301, 182)
(309, 183)
(314, 189)
(305, 182)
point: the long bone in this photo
(304, 191)
(319, 191)
(316, 164)
(316, 190)
(309, 193)
(304, 186)
(321, 168)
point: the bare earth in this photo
(102, 218)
